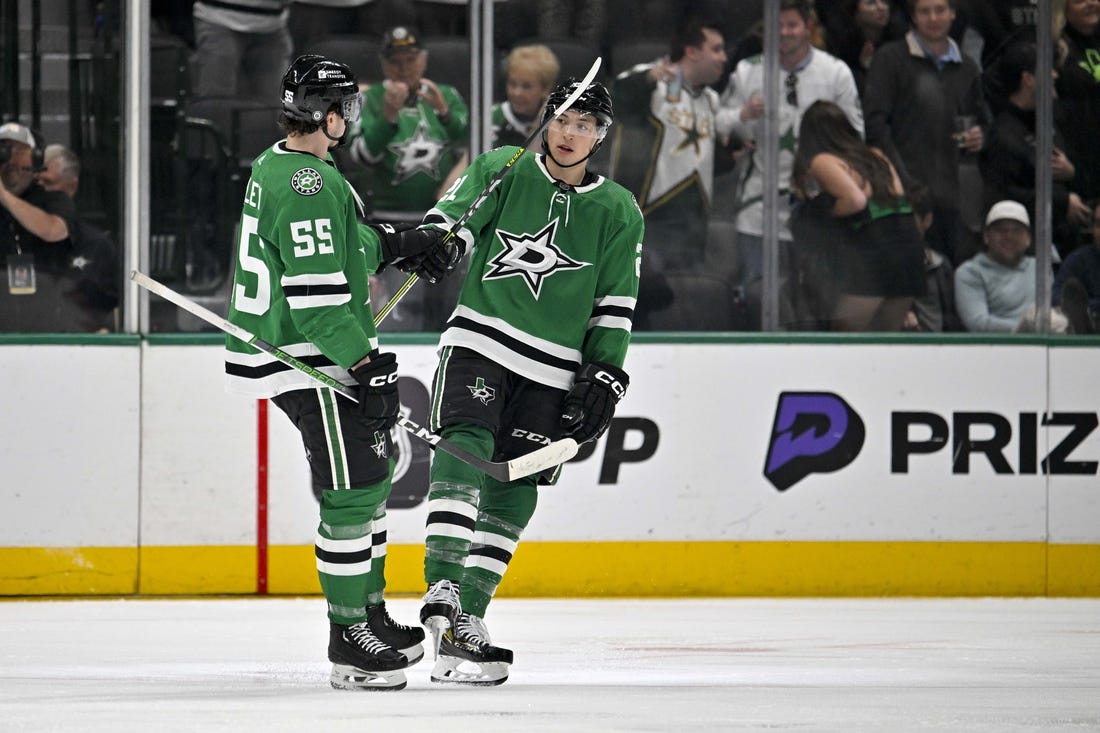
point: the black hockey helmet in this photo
(313, 84)
(595, 100)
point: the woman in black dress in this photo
(878, 263)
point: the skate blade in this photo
(347, 677)
(455, 671)
(436, 626)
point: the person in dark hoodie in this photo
(1008, 160)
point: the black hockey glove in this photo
(591, 402)
(435, 263)
(379, 402)
(420, 250)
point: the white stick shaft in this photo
(539, 460)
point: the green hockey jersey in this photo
(301, 277)
(411, 158)
(553, 270)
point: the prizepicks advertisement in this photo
(762, 442)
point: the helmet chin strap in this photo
(338, 140)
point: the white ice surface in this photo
(996, 665)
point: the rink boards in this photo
(733, 467)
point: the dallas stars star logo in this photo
(533, 257)
(419, 153)
(307, 181)
(481, 391)
(692, 136)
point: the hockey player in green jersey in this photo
(301, 284)
(533, 352)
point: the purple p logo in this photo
(814, 432)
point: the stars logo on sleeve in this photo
(420, 153)
(532, 257)
(307, 181)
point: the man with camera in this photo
(34, 237)
(412, 131)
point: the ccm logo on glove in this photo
(614, 384)
(379, 402)
(382, 380)
(591, 401)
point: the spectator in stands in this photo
(934, 311)
(1078, 89)
(915, 89)
(1008, 160)
(412, 135)
(61, 172)
(668, 108)
(879, 254)
(34, 223)
(36, 235)
(995, 288)
(1081, 271)
(808, 75)
(94, 263)
(858, 28)
(532, 71)
(663, 152)
(241, 48)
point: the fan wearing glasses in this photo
(808, 75)
(34, 222)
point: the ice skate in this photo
(362, 661)
(405, 639)
(467, 655)
(441, 605)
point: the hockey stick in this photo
(548, 456)
(484, 196)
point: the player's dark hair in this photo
(302, 127)
(688, 33)
(826, 129)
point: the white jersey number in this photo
(259, 303)
(311, 237)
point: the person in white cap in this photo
(34, 228)
(994, 289)
(28, 213)
(62, 273)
